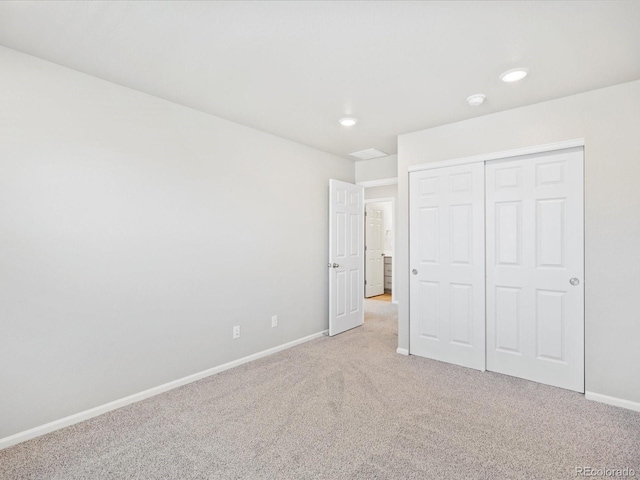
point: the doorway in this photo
(379, 248)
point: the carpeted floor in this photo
(346, 407)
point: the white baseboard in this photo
(402, 351)
(395, 302)
(136, 397)
(616, 402)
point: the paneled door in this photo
(374, 251)
(447, 315)
(346, 256)
(535, 267)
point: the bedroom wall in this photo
(135, 233)
(377, 168)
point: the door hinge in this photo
(365, 213)
(365, 247)
(365, 282)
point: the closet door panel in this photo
(535, 267)
(447, 316)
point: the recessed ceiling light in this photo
(514, 74)
(475, 100)
(348, 121)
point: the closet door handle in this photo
(414, 271)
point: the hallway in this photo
(382, 316)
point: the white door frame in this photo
(577, 142)
(393, 240)
(547, 147)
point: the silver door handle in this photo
(335, 265)
(414, 271)
(574, 281)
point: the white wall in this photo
(384, 191)
(385, 167)
(135, 233)
(609, 121)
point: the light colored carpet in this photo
(346, 407)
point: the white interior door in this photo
(535, 268)
(447, 316)
(346, 256)
(374, 251)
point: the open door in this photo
(346, 256)
(374, 251)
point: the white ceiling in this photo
(294, 68)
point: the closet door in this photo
(447, 315)
(535, 268)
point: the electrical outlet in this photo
(274, 321)
(236, 332)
